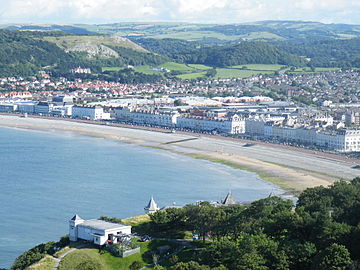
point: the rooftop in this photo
(101, 224)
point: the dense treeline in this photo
(22, 55)
(322, 232)
(220, 56)
(240, 54)
(167, 46)
(326, 53)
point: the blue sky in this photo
(200, 11)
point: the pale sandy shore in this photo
(291, 169)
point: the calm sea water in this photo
(45, 178)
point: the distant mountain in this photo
(263, 30)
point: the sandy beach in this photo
(289, 168)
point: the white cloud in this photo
(220, 11)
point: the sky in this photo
(196, 11)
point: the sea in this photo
(47, 177)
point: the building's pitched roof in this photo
(76, 218)
(152, 206)
(229, 199)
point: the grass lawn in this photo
(61, 252)
(106, 261)
(176, 66)
(237, 73)
(199, 66)
(308, 70)
(112, 69)
(46, 263)
(146, 70)
(191, 76)
(261, 67)
(137, 220)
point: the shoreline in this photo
(290, 169)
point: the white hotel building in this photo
(88, 112)
(146, 117)
(231, 125)
(341, 140)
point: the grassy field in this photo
(197, 71)
(308, 70)
(223, 73)
(261, 67)
(105, 261)
(191, 76)
(46, 263)
(177, 67)
(111, 69)
(199, 67)
(136, 220)
(146, 70)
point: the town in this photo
(319, 110)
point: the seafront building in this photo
(88, 112)
(99, 232)
(145, 117)
(224, 125)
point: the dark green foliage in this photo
(240, 54)
(335, 257)
(37, 253)
(166, 46)
(130, 76)
(136, 265)
(322, 232)
(326, 52)
(189, 266)
(111, 219)
(21, 54)
(25, 53)
(90, 265)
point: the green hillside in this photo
(239, 54)
(24, 53)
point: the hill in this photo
(326, 53)
(239, 54)
(24, 53)
(210, 33)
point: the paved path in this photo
(58, 260)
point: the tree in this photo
(135, 265)
(335, 257)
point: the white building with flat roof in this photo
(96, 231)
(230, 125)
(87, 112)
(146, 117)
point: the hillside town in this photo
(314, 110)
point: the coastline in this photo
(290, 169)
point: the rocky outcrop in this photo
(94, 50)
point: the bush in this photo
(136, 265)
